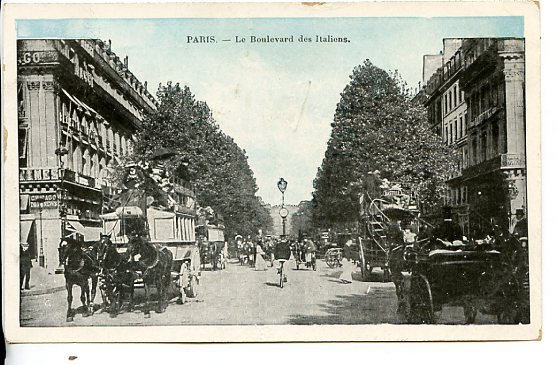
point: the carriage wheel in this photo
(421, 301)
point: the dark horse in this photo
(116, 276)
(155, 265)
(79, 266)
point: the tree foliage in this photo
(211, 161)
(377, 127)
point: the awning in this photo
(25, 227)
(88, 233)
(79, 103)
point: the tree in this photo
(377, 127)
(215, 166)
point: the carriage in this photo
(490, 277)
(213, 247)
(171, 229)
(304, 257)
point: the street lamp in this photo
(61, 194)
(283, 212)
(40, 200)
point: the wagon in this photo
(476, 278)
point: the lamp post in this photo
(40, 201)
(283, 212)
(61, 195)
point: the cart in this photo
(485, 279)
(303, 258)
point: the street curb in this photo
(42, 291)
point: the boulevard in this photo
(239, 295)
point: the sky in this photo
(277, 100)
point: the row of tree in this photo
(377, 126)
(203, 155)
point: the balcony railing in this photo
(504, 161)
(485, 115)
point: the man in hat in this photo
(448, 230)
(25, 265)
(371, 187)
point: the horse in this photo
(116, 276)
(155, 264)
(79, 266)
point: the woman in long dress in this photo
(260, 263)
(347, 265)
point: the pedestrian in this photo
(25, 265)
(520, 226)
(260, 263)
(348, 267)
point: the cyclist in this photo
(282, 254)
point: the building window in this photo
(446, 137)
(473, 152)
(495, 139)
(465, 130)
(451, 133)
(450, 100)
(465, 158)
(445, 104)
(460, 134)
(461, 97)
(483, 146)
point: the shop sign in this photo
(36, 58)
(43, 201)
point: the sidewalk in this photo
(43, 282)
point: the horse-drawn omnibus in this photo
(170, 228)
(382, 217)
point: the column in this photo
(34, 152)
(514, 105)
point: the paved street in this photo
(240, 295)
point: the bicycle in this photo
(282, 276)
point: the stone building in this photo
(447, 112)
(480, 89)
(78, 109)
(277, 220)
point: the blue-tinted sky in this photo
(276, 100)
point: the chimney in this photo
(126, 61)
(110, 45)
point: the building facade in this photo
(475, 102)
(78, 110)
